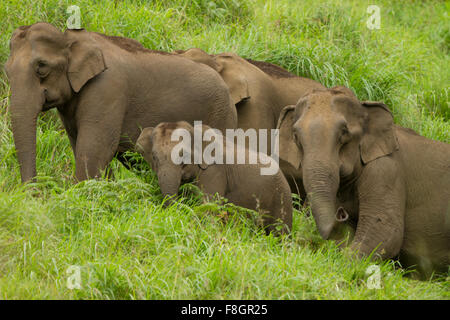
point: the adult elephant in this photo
(260, 90)
(385, 186)
(106, 89)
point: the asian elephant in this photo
(243, 184)
(384, 186)
(106, 89)
(260, 90)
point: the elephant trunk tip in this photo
(341, 215)
(325, 230)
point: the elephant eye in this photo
(345, 135)
(42, 69)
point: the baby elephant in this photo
(367, 177)
(242, 184)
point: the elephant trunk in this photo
(169, 179)
(26, 103)
(321, 182)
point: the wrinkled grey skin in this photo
(260, 90)
(105, 89)
(241, 184)
(384, 186)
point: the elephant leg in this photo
(94, 151)
(100, 118)
(382, 198)
(73, 143)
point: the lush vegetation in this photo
(127, 245)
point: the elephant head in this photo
(46, 68)
(157, 146)
(229, 66)
(330, 135)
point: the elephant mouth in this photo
(52, 103)
(52, 100)
(47, 107)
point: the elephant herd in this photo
(373, 187)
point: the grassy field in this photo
(126, 245)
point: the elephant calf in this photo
(241, 184)
(365, 176)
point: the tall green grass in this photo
(127, 244)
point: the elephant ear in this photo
(85, 59)
(144, 141)
(228, 67)
(144, 145)
(380, 139)
(288, 149)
